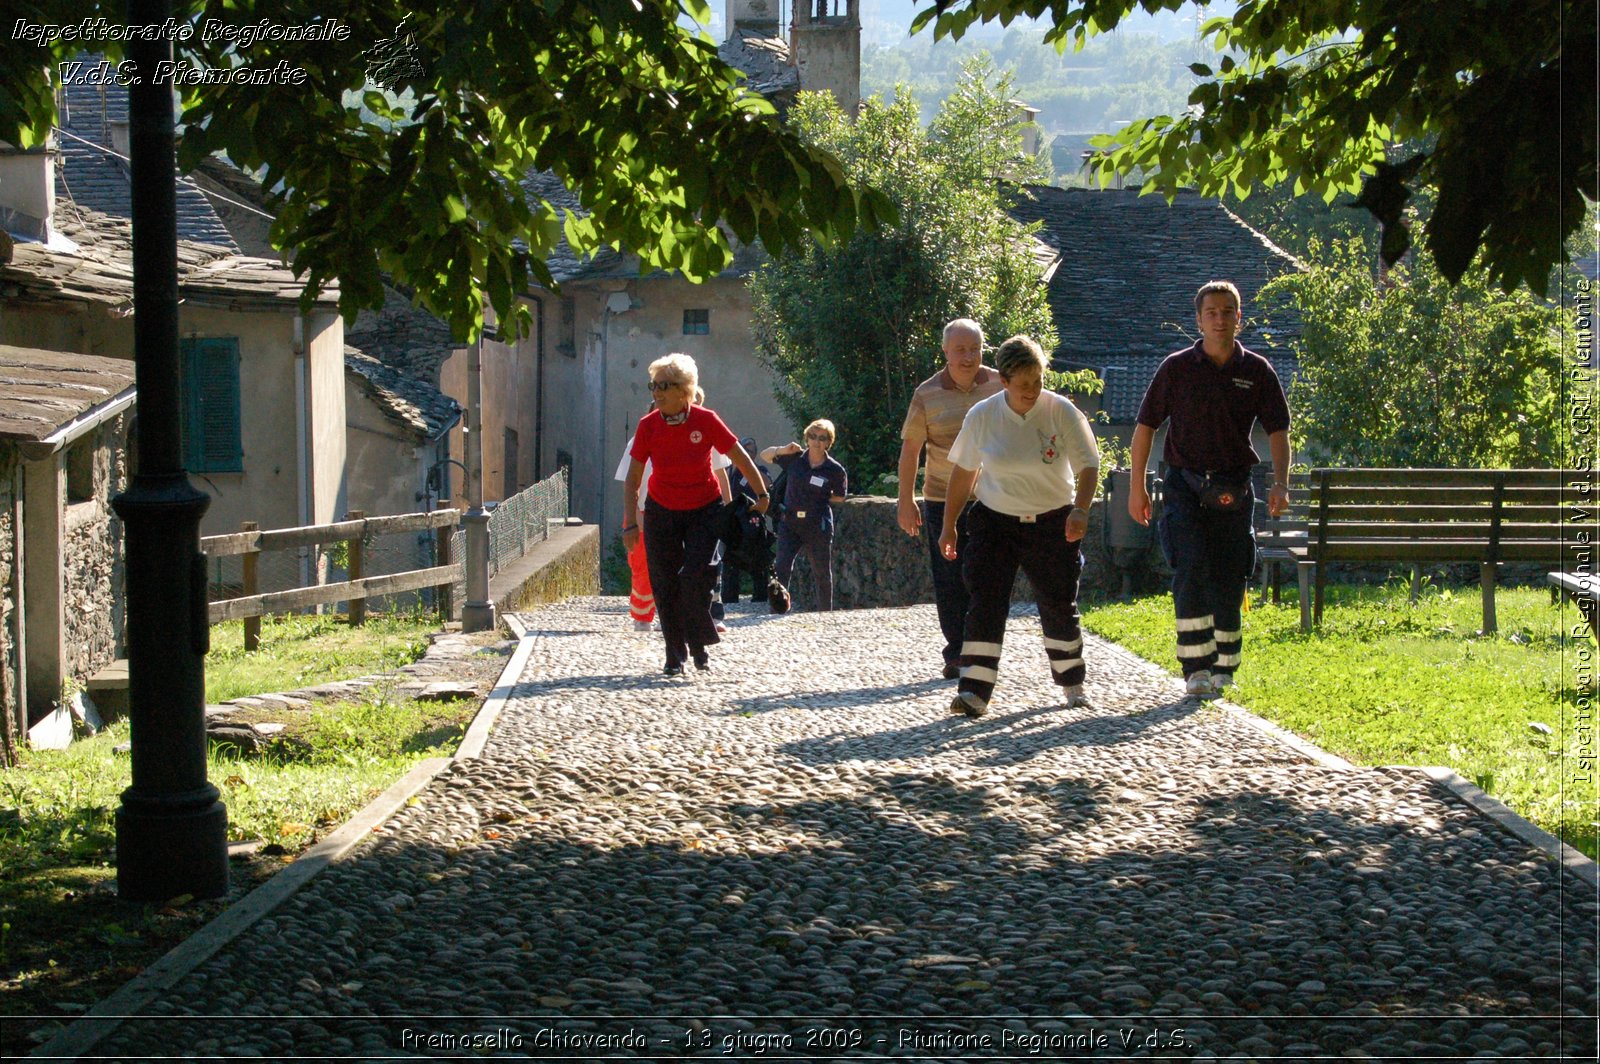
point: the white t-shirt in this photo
(718, 461)
(1027, 464)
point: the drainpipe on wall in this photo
(605, 411)
(538, 390)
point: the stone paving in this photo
(802, 854)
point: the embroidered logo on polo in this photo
(695, 437)
(1047, 449)
(1225, 499)
(1240, 382)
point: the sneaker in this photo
(641, 626)
(1198, 685)
(777, 597)
(952, 670)
(1221, 681)
(968, 704)
(1074, 696)
(674, 668)
(702, 663)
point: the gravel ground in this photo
(802, 854)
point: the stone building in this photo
(65, 421)
(570, 393)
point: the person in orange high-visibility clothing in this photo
(641, 600)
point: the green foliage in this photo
(1302, 225)
(852, 328)
(1419, 373)
(1384, 682)
(633, 112)
(1493, 101)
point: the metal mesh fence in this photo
(515, 525)
(519, 522)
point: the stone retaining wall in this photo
(566, 564)
(876, 564)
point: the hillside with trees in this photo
(1115, 79)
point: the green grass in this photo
(66, 940)
(305, 650)
(1385, 682)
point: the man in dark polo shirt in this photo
(1212, 394)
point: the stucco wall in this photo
(738, 387)
(266, 491)
(386, 469)
(387, 474)
(829, 57)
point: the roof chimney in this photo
(762, 17)
(28, 190)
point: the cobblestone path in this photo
(802, 854)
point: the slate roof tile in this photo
(415, 404)
(43, 391)
(1122, 295)
(94, 176)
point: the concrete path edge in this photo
(128, 1000)
(1570, 859)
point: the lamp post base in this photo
(169, 848)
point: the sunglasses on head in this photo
(663, 386)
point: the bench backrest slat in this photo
(1453, 478)
(1408, 512)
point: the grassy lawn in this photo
(1385, 682)
(305, 650)
(66, 941)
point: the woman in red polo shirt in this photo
(682, 517)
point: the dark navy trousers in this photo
(997, 546)
(681, 548)
(949, 586)
(817, 542)
(1212, 555)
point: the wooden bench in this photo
(1585, 591)
(1277, 536)
(1422, 516)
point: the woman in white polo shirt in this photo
(1032, 457)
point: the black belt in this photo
(1030, 519)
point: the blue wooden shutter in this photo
(212, 442)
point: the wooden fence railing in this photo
(250, 542)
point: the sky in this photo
(886, 22)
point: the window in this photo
(568, 343)
(80, 468)
(697, 323)
(510, 459)
(211, 438)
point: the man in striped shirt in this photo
(938, 407)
